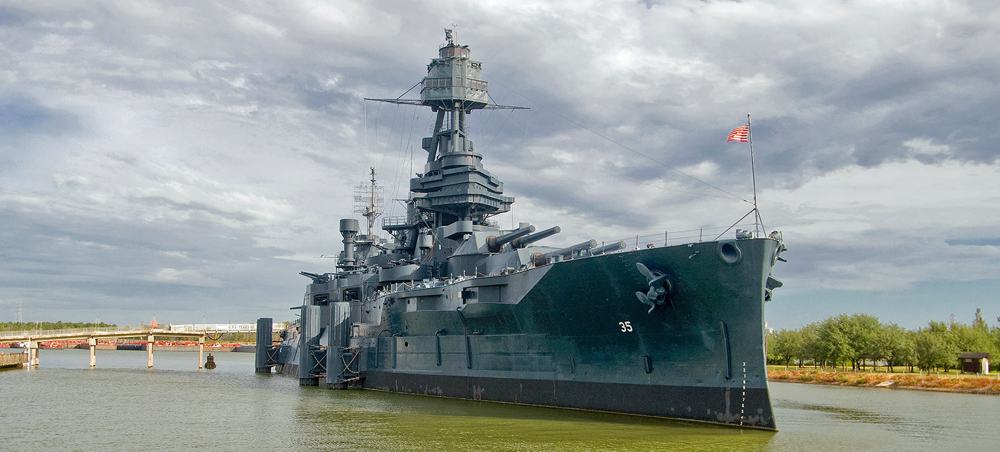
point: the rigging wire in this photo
(620, 144)
(482, 127)
(499, 129)
(401, 165)
(599, 169)
(388, 139)
(368, 147)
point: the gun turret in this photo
(495, 243)
(607, 248)
(528, 239)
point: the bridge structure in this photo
(32, 338)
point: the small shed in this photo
(975, 362)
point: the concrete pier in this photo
(92, 342)
(11, 360)
(32, 353)
(149, 349)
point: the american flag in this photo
(739, 134)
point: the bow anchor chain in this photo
(659, 288)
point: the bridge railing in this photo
(224, 327)
(159, 330)
(75, 331)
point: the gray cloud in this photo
(22, 116)
(191, 157)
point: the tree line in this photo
(853, 340)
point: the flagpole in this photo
(753, 175)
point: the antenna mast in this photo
(753, 174)
(368, 200)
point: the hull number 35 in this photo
(626, 326)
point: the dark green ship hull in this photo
(574, 334)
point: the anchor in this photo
(659, 287)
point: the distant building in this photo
(975, 362)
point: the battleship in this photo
(449, 304)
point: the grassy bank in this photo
(961, 383)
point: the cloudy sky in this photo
(187, 159)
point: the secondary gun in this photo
(317, 279)
(607, 248)
(570, 251)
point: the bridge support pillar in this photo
(33, 353)
(201, 352)
(92, 341)
(149, 350)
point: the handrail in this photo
(159, 331)
(73, 331)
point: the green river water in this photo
(121, 406)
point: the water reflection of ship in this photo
(455, 306)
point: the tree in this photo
(810, 347)
(861, 330)
(834, 341)
(892, 344)
(933, 349)
(848, 338)
(785, 345)
(967, 338)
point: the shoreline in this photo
(983, 385)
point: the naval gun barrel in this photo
(495, 243)
(528, 239)
(607, 248)
(569, 252)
